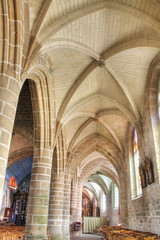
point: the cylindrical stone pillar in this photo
(9, 91)
(79, 203)
(123, 200)
(37, 208)
(66, 208)
(74, 190)
(11, 45)
(78, 212)
(55, 219)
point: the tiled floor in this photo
(86, 237)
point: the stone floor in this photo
(86, 237)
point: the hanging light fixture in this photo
(12, 185)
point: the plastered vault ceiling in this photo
(93, 101)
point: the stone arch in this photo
(86, 192)
(13, 34)
(151, 113)
(86, 124)
(128, 114)
(59, 159)
(89, 173)
(40, 72)
(92, 191)
(19, 154)
(42, 104)
(100, 182)
(70, 44)
(96, 168)
(95, 142)
(57, 25)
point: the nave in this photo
(79, 116)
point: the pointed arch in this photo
(95, 142)
(41, 103)
(151, 109)
(63, 21)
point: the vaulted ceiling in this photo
(79, 35)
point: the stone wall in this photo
(114, 217)
(144, 212)
(24, 114)
(18, 143)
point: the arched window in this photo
(136, 188)
(115, 196)
(103, 202)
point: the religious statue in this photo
(142, 176)
(149, 171)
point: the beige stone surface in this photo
(92, 68)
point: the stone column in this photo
(79, 202)
(9, 91)
(66, 208)
(59, 209)
(38, 202)
(55, 219)
(74, 190)
(78, 212)
(108, 204)
(11, 46)
(123, 200)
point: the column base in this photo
(35, 237)
(60, 237)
